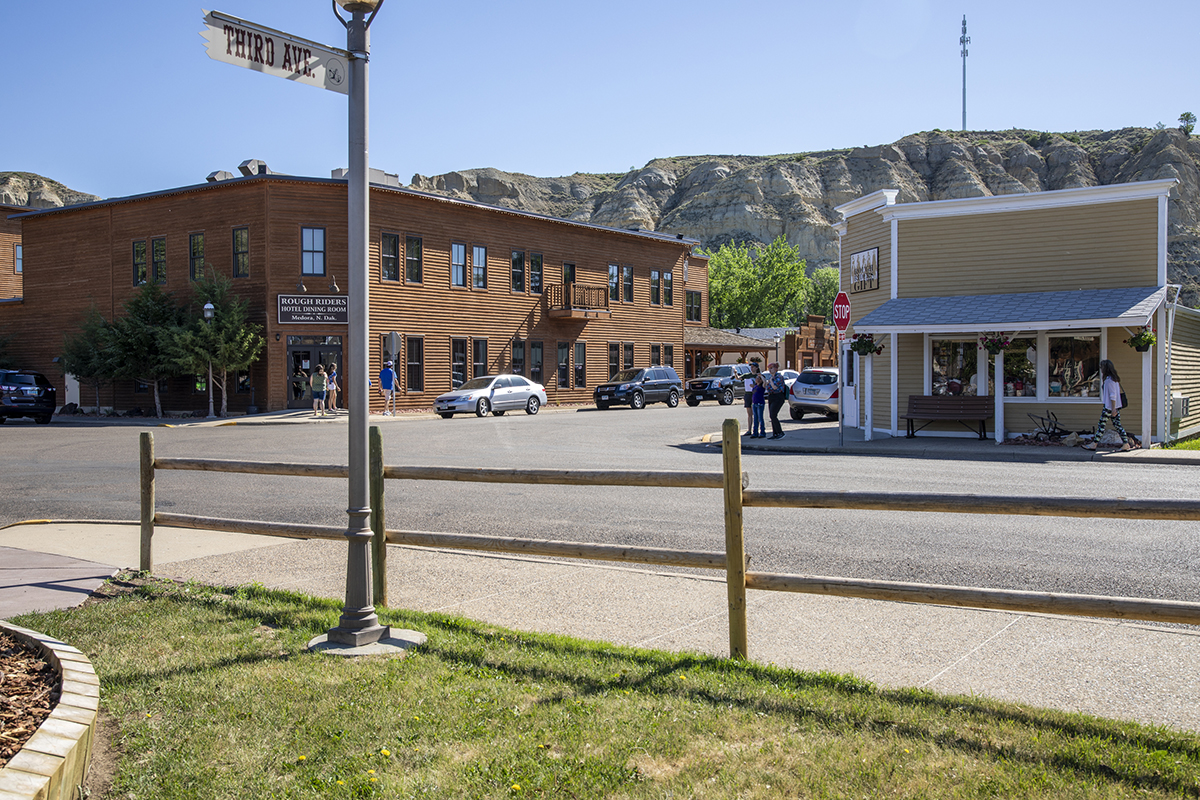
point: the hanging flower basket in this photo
(1143, 340)
(864, 344)
(994, 344)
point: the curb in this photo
(53, 764)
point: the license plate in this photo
(603, 397)
(812, 391)
(31, 392)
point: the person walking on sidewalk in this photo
(318, 383)
(776, 395)
(758, 428)
(388, 384)
(1110, 396)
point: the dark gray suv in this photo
(637, 388)
(24, 393)
(723, 383)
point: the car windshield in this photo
(717, 372)
(628, 375)
(817, 378)
(476, 383)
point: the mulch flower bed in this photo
(29, 690)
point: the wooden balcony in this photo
(576, 301)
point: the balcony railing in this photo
(576, 300)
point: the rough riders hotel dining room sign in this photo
(864, 270)
(330, 309)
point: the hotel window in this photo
(564, 365)
(458, 362)
(196, 256)
(693, 307)
(627, 283)
(479, 267)
(241, 252)
(535, 273)
(580, 364)
(479, 357)
(416, 363)
(412, 259)
(518, 357)
(139, 263)
(312, 251)
(18, 256)
(655, 288)
(389, 257)
(668, 290)
(458, 264)
(628, 355)
(655, 355)
(568, 273)
(614, 283)
(614, 358)
(158, 260)
(518, 270)
(535, 362)
(668, 355)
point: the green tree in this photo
(757, 286)
(230, 342)
(85, 353)
(1187, 122)
(138, 341)
(825, 282)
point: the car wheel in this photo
(43, 420)
(797, 413)
(533, 406)
(497, 413)
(832, 416)
(672, 399)
(601, 405)
(693, 401)
(727, 397)
(446, 415)
(638, 400)
(482, 409)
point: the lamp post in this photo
(358, 624)
(209, 312)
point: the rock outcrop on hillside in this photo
(28, 189)
(719, 199)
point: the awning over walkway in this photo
(1027, 311)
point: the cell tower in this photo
(964, 40)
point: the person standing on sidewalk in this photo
(776, 395)
(1110, 396)
(748, 397)
(331, 397)
(758, 428)
(388, 384)
(318, 383)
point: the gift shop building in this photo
(1019, 297)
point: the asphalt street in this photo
(85, 470)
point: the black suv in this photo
(24, 393)
(722, 383)
(640, 387)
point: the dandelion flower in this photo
(341, 783)
(301, 758)
(374, 779)
(370, 772)
(516, 787)
(385, 752)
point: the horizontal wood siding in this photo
(863, 232)
(1185, 363)
(10, 237)
(1107, 245)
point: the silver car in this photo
(816, 390)
(492, 394)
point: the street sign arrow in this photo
(262, 49)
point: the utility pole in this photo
(964, 40)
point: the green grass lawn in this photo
(215, 696)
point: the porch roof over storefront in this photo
(1025, 311)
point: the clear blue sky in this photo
(118, 98)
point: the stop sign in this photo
(841, 311)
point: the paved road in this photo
(85, 471)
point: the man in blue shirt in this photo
(388, 384)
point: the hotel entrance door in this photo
(304, 353)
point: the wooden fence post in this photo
(146, 561)
(379, 538)
(735, 551)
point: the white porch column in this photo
(999, 384)
(868, 395)
(1147, 398)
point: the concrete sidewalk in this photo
(1111, 669)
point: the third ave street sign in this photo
(247, 44)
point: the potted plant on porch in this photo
(864, 344)
(1143, 340)
(994, 344)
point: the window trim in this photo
(462, 266)
(562, 371)
(614, 283)
(478, 272)
(655, 288)
(237, 254)
(540, 272)
(408, 364)
(158, 268)
(699, 306)
(579, 367)
(571, 265)
(668, 288)
(512, 272)
(537, 345)
(479, 368)
(384, 257)
(323, 251)
(409, 238)
(518, 346)
(193, 273)
(141, 271)
(626, 283)
(18, 258)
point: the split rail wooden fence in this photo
(737, 496)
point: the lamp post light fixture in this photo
(210, 311)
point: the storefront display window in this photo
(1074, 365)
(954, 367)
(1020, 368)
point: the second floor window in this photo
(627, 283)
(568, 273)
(655, 288)
(241, 252)
(412, 259)
(614, 282)
(196, 256)
(389, 257)
(693, 307)
(518, 270)
(139, 263)
(458, 264)
(479, 267)
(18, 267)
(668, 290)
(312, 251)
(158, 260)
(535, 273)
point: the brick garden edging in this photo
(52, 765)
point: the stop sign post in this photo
(841, 311)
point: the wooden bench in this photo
(948, 406)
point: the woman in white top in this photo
(1110, 396)
(748, 387)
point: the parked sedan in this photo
(816, 390)
(25, 393)
(492, 394)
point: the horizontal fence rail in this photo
(254, 467)
(283, 529)
(569, 477)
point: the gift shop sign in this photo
(327, 309)
(864, 270)
(262, 49)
